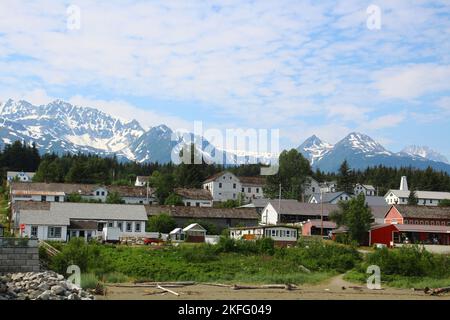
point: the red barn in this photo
(390, 234)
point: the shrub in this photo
(161, 223)
(89, 281)
(199, 253)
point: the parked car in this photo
(150, 241)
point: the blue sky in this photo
(304, 67)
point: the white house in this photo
(194, 233)
(19, 176)
(62, 221)
(141, 181)
(426, 198)
(195, 197)
(330, 197)
(367, 189)
(225, 186)
(282, 235)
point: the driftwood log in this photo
(267, 286)
(168, 290)
(436, 291)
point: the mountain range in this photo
(361, 151)
(61, 127)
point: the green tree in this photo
(356, 215)
(444, 203)
(345, 178)
(74, 197)
(293, 173)
(163, 183)
(412, 198)
(192, 171)
(173, 200)
(114, 198)
(162, 223)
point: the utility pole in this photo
(279, 205)
(321, 215)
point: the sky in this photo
(304, 67)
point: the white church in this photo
(426, 198)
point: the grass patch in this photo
(115, 277)
(89, 281)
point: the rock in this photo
(58, 290)
(73, 296)
(43, 287)
(45, 295)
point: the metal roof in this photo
(432, 195)
(203, 212)
(195, 194)
(422, 228)
(426, 212)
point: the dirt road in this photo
(332, 289)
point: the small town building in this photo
(366, 189)
(177, 234)
(425, 198)
(225, 186)
(419, 215)
(19, 176)
(194, 233)
(221, 218)
(394, 234)
(282, 235)
(259, 204)
(293, 211)
(195, 197)
(62, 221)
(329, 197)
(314, 228)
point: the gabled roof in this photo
(257, 203)
(82, 225)
(294, 207)
(423, 212)
(143, 178)
(203, 212)
(215, 176)
(318, 224)
(195, 194)
(194, 227)
(376, 201)
(431, 195)
(329, 196)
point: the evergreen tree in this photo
(412, 199)
(293, 173)
(345, 178)
(355, 215)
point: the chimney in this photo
(404, 184)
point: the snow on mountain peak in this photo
(314, 148)
(424, 152)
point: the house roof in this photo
(423, 212)
(432, 195)
(176, 230)
(294, 207)
(266, 227)
(422, 228)
(204, 212)
(252, 181)
(195, 194)
(30, 205)
(61, 213)
(194, 227)
(214, 176)
(329, 196)
(376, 201)
(326, 224)
(61, 189)
(82, 225)
(143, 178)
(257, 203)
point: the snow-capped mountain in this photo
(361, 151)
(61, 127)
(424, 152)
(314, 149)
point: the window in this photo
(273, 233)
(197, 204)
(103, 193)
(249, 190)
(100, 226)
(129, 227)
(110, 224)
(220, 184)
(34, 231)
(313, 189)
(54, 232)
(234, 195)
(257, 190)
(137, 227)
(141, 202)
(234, 185)
(243, 189)
(119, 225)
(288, 233)
(43, 198)
(97, 193)
(188, 203)
(56, 198)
